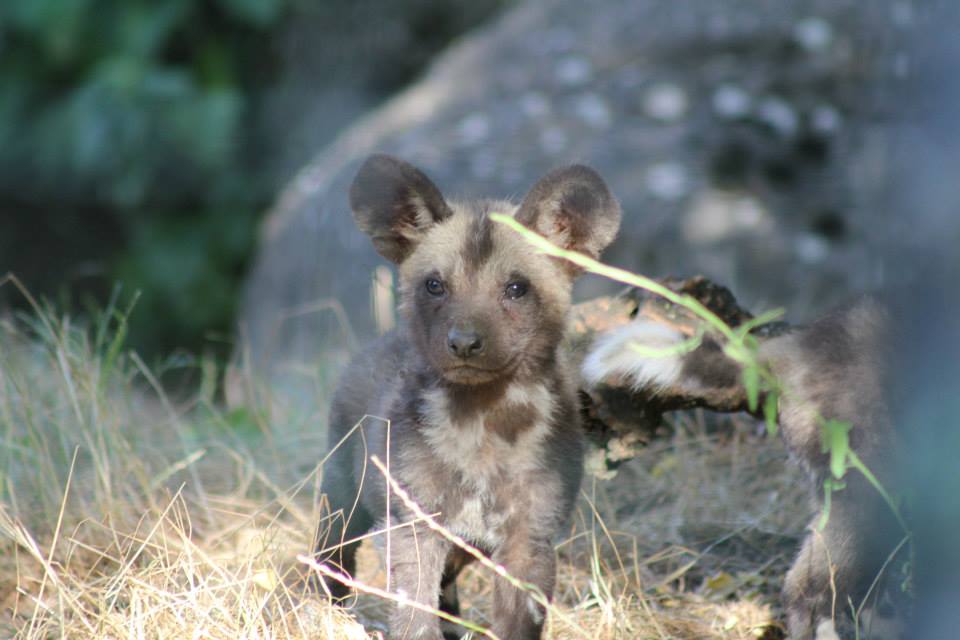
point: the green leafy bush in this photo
(125, 148)
(139, 140)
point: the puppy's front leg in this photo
(516, 615)
(417, 559)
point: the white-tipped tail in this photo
(826, 630)
(644, 354)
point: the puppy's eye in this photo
(516, 290)
(434, 287)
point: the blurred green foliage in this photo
(124, 137)
(137, 143)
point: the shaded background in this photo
(751, 142)
(140, 142)
(141, 145)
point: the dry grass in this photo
(125, 514)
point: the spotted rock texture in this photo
(746, 141)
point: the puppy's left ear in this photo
(573, 208)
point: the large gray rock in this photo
(743, 139)
(338, 58)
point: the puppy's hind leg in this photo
(347, 519)
(845, 569)
(449, 596)
(336, 543)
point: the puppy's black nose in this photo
(464, 343)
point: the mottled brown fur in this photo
(487, 437)
(832, 369)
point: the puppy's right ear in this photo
(395, 203)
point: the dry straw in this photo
(125, 513)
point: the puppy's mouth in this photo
(465, 373)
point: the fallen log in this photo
(620, 419)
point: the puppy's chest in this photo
(491, 460)
(505, 436)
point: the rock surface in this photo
(744, 140)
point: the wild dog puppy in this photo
(830, 369)
(484, 426)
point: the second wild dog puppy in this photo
(831, 369)
(484, 421)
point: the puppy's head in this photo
(479, 302)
